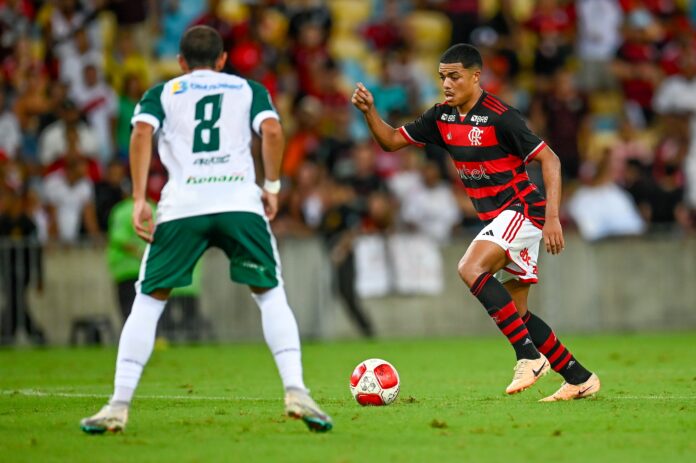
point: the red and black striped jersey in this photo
(490, 147)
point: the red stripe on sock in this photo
(519, 336)
(563, 363)
(477, 287)
(548, 344)
(557, 354)
(512, 326)
(503, 314)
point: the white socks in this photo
(135, 346)
(282, 336)
(138, 339)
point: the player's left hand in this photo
(553, 236)
(270, 204)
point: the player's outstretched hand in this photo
(142, 220)
(362, 98)
(553, 236)
(270, 204)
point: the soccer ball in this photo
(374, 382)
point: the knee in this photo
(469, 271)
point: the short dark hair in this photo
(201, 46)
(463, 53)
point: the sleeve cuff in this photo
(409, 138)
(262, 116)
(534, 152)
(148, 119)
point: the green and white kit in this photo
(205, 121)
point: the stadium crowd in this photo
(609, 84)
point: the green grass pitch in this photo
(224, 403)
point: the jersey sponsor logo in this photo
(199, 180)
(215, 86)
(212, 160)
(473, 174)
(448, 117)
(479, 119)
(475, 135)
(179, 87)
(524, 255)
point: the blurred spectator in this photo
(677, 96)
(464, 15)
(99, 105)
(15, 23)
(364, 179)
(339, 226)
(69, 195)
(602, 209)
(432, 209)
(630, 144)
(635, 65)
(126, 60)
(133, 18)
(21, 263)
(174, 17)
(386, 33)
(553, 27)
(53, 139)
(10, 133)
(599, 36)
(31, 104)
(110, 191)
(561, 117)
(128, 99)
(67, 17)
(72, 67)
(305, 139)
(72, 151)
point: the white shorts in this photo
(519, 238)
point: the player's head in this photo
(201, 47)
(460, 73)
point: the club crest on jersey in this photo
(179, 87)
(479, 119)
(475, 135)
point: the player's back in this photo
(206, 121)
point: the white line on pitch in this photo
(38, 393)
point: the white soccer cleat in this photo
(298, 404)
(109, 418)
(527, 372)
(575, 391)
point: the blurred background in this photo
(369, 239)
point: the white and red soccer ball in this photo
(374, 382)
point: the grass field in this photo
(223, 403)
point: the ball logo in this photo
(475, 135)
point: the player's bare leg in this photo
(579, 382)
(476, 268)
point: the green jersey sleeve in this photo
(261, 106)
(150, 109)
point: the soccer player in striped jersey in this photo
(211, 199)
(490, 145)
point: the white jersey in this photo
(206, 120)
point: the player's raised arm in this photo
(551, 171)
(389, 138)
(272, 145)
(140, 156)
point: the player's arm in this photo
(140, 157)
(389, 138)
(272, 145)
(551, 172)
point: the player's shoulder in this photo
(495, 107)
(498, 112)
